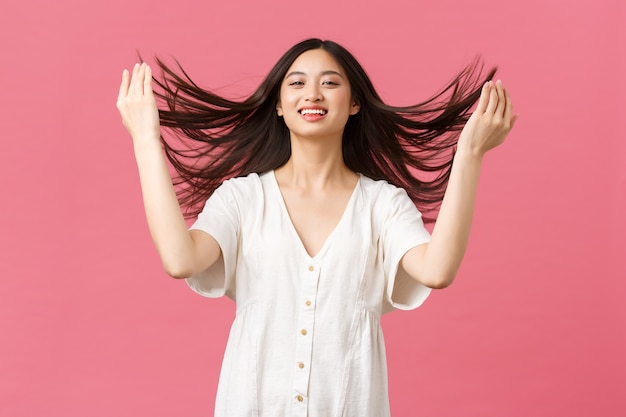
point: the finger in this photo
(140, 76)
(132, 88)
(493, 100)
(135, 82)
(501, 98)
(124, 85)
(508, 111)
(147, 81)
(514, 120)
(484, 99)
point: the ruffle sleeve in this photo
(403, 229)
(220, 219)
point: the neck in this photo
(315, 164)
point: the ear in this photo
(354, 109)
(279, 109)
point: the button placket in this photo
(304, 339)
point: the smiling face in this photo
(315, 97)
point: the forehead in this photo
(315, 61)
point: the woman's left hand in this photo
(490, 123)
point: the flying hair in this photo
(209, 139)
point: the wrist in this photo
(147, 149)
(147, 142)
(468, 155)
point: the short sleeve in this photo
(403, 229)
(220, 219)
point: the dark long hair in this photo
(411, 147)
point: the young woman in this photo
(309, 222)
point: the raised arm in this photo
(182, 252)
(435, 264)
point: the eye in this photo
(296, 83)
(330, 83)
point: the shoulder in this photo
(380, 190)
(386, 200)
(241, 186)
(236, 193)
(247, 193)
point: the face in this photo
(315, 97)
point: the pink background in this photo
(533, 326)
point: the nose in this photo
(313, 92)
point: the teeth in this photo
(313, 111)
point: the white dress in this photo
(306, 339)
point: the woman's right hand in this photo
(137, 105)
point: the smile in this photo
(304, 112)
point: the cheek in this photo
(288, 107)
(344, 101)
(287, 100)
(289, 119)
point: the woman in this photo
(302, 226)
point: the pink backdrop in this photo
(534, 325)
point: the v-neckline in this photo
(292, 227)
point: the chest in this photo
(315, 217)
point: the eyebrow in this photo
(328, 72)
